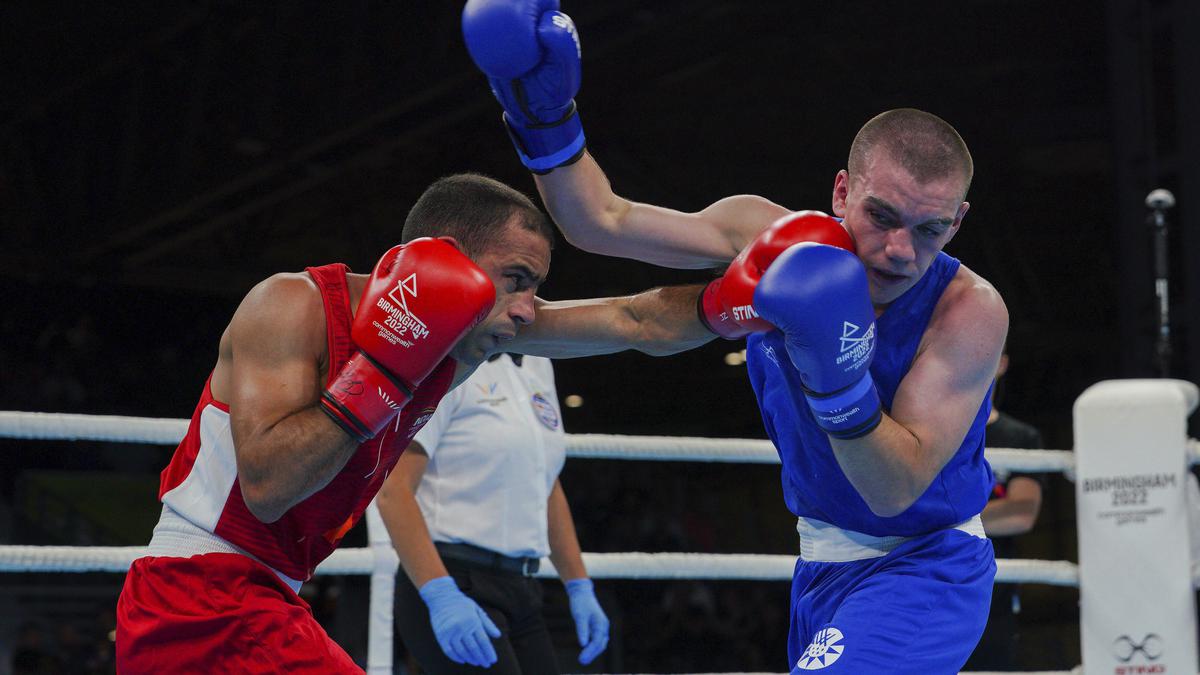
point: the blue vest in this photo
(813, 483)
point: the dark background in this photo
(158, 159)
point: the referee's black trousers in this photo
(513, 601)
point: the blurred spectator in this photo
(31, 653)
(1012, 510)
(688, 627)
(75, 647)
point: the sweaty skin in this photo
(273, 359)
(899, 225)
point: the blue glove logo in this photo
(564, 22)
(854, 346)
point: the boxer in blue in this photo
(871, 351)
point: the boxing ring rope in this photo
(380, 562)
(644, 566)
(116, 428)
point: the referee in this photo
(472, 506)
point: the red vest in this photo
(201, 483)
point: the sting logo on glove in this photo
(743, 313)
(564, 22)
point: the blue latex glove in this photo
(460, 624)
(591, 624)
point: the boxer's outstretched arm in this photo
(530, 53)
(591, 216)
(937, 400)
(658, 322)
(286, 448)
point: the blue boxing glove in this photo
(459, 623)
(818, 296)
(530, 54)
(591, 624)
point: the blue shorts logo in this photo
(824, 649)
(545, 411)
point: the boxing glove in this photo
(421, 298)
(530, 53)
(818, 296)
(727, 304)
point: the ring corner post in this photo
(1138, 612)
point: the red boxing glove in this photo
(726, 305)
(420, 300)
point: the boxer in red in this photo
(322, 378)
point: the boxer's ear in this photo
(958, 218)
(841, 189)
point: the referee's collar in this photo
(516, 358)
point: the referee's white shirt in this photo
(496, 445)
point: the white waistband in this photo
(178, 537)
(822, 542)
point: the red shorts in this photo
(218, 613)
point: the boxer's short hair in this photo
(473, 209)
(923, 143)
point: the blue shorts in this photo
(919, 609)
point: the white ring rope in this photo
(71, 427)
(60, 426)
(644, 566)
(57, 426)
(673, 566)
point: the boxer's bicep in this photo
(595, 219)
(276, 340)
(938, 399)
(705, 239)
(739, 219)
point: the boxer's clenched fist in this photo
(421, 298)
(817, 295)
(727, 307)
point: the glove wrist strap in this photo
(544, 147)
(850, 413)
(363, 398)
(713, 315)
